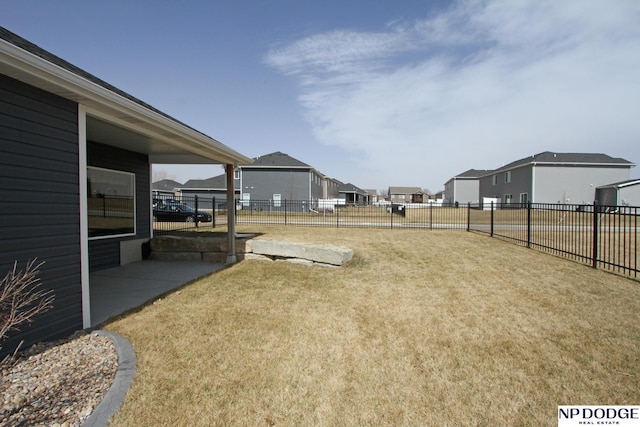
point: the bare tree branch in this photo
(21, 299)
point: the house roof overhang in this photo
(111, 116)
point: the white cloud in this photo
(477, 86)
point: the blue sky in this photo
(374, 92)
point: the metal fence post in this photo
(213, 213)
(285, 211)
(528, 224)
(595, 235)
(491, 216)
(430, 216)
(391, 215)
(196, 203)
(468, 216)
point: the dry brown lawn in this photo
(422, 328)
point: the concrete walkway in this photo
(116, 290)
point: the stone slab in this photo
(322, 253)
(257, 257)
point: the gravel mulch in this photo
(58, 383)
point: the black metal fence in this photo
(323, 214)
(601, 236)
(186, 213)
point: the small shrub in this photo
(21, 299)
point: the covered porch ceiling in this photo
(158, 149)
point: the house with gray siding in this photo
(75, 176)
(165, 188)
(277, 177)
(210, 190)
(554, 178)
(464, 188)
(353, 195)
(266, 182)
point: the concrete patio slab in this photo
(116, 290)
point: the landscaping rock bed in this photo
(57, 383)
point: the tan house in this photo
(407, 195)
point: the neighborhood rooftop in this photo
(278, 159)
(548, 157)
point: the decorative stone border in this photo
(124, 377)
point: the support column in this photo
(231, 216)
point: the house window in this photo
(110, 203)
(508, 198)
(507, 176)
(494, 179)
(236, 174)
(524, 198)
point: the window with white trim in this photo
(507, 176)
(494, 179)
(508, 198)
(524, 198)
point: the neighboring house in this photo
(353, 195)
(407, 195)
(165, 188)
(554, 178)
(463, 188)
(330, 188)
(209, 189)
(268, 181)
(436, 199)
(625, 193)
(75, 176)
(372, 196)
(277, 177)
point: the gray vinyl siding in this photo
(206, 198)
(519, 183)
(105, 253)
(316, 186)
(630, 195)
(574, 184)
(553, 183)
(462, 191)
(262, 184)
(449, 192)
(39, 202)
(467, 191)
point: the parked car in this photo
(178, 213)
(159, 201)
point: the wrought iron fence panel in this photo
(601, 236)
(184, 213)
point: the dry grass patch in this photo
(421, 328)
